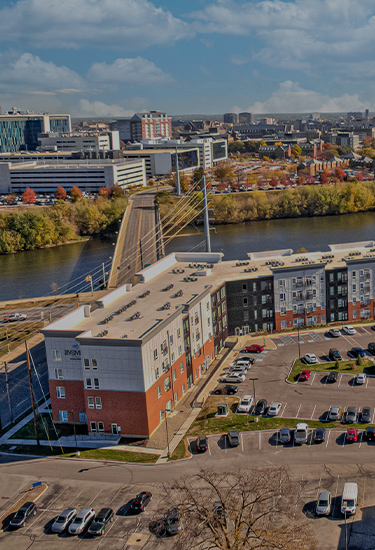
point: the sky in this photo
(111, 58)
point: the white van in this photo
(349, 498)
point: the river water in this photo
(64, 268)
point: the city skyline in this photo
(114, 58)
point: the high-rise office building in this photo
(230, 118)
(19, 132)
(246, 118)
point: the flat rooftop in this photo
(170, 285)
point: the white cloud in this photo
(101, 109)
(238, 59)
(299, 34)
(95, 23)
(290, 97)
(30, 73)
(138, 71)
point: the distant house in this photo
(275, 151)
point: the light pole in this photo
(253, 379)
(166, 411)
(299, 345)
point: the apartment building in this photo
(143, 126)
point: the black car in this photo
(226, 390)
(366, 414)
(20, 518)
(357, 352)
(334, 355)
(172, 522)
(320, 435)
(202, 444)
(371, 348)
(102, 518)
(332, 376)
(260, 407)
(141, 501)
(233, 438)
(370, 433)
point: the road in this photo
(139, 247)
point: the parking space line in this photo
(241, 436)
(208, 447)
(373, 414)
(343, 443)
(341, 375)
(45, 510)
(367, 379)
(329, 433)
(260, 440)
(299, 408)
(112, 524)
(284, 409)
(313, 378)
(313, 413)
(360, 443)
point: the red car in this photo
(352, 435)
(254, 348)
(304, 375)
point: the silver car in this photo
(323, 506)
(63, 520)
(79, 523)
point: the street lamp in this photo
(253, 379)
(299, 345)
(166, 411)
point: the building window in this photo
(179, 350)
(63, 415)
(174, 374)
(94, 363)
(88, 383)
(175, 397)
(354, 288)
(282, 297)
(100, 426)
(59, 374)
(157, 374)
(155, 354)
(354, 274)
(96, 383)
(331, 277)
(224, 320)
(60, 392)
(244, 287)
(245, 302)
(93, 427)
(159, 392)
(183, 389)
(181, 366)
(222, 292)
(161, 416)
(56, 354)
(283, 324)
(354, 314)
(98, 402)
(167, 384)
(178, 333)
(90, 402)
(172, 358)
(246, 315)
(283, 311)
(171, 340)
(208, 321)
(282, 282)
(164, 347)
(86, 363)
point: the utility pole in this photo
(140, 251)
(178, 184)
(103, 275)
(8, 394)
(206, 217)
(32, 395)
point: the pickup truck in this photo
(12, 317)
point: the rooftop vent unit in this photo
(250, 269)
(178, 270)
(102, 333)
(136, 315)
(179, 293)
(239, 264)
(167, 305)
(190, 279)
(124, 336)
(169, 287)
(146, 293)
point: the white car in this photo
(334, 333)
(301, 433)
(348, 329)
(234, 378)
(310, 359)
(361, 378)
(245, 405)
(274, 408)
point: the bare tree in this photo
(240, 510)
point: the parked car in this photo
(301, 433)
(323, 505)
(304, 375)
(225, 390)
(371, 348)
(245, 362)
(233, 438)
(335, 413)
(285, 435)
(351, 415)
(97, 527)
(81, 521)
(334, 333)
(274, 408)
(319, 435)
(202, 444)
(62, 521)
(366, 414)
(310, 359)
(233, 378)
(348, 329)
(141, 501)
(332, 376)
(172, 522)
(23, 514)
(360, 378)
(352, 435)
(13, 317)
(245, 404)
(246, 357)
(254, 348)
(334, 355)
(260, 407)
(370, 433)
(357, 351)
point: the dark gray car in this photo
(63, 520)
(233, 438)
(285, 435)
(366, 414)
(351, 415)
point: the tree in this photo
(198, 174)
(359, 176)
(323, 178)
(340, 174)
(116, 191)
(28, 196)
(296, 151)
(240, 510)
(103, 192)
(223, 172)
(60, 194)
(75, 193)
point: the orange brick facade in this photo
(290, 316)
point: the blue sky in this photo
(109, 58)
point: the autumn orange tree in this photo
(60, 193)
(28, 196)
(75, 193)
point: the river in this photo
(64, 268)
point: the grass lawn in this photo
(348, 367)
(98, 454)
(180, 451)
(43, 423)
